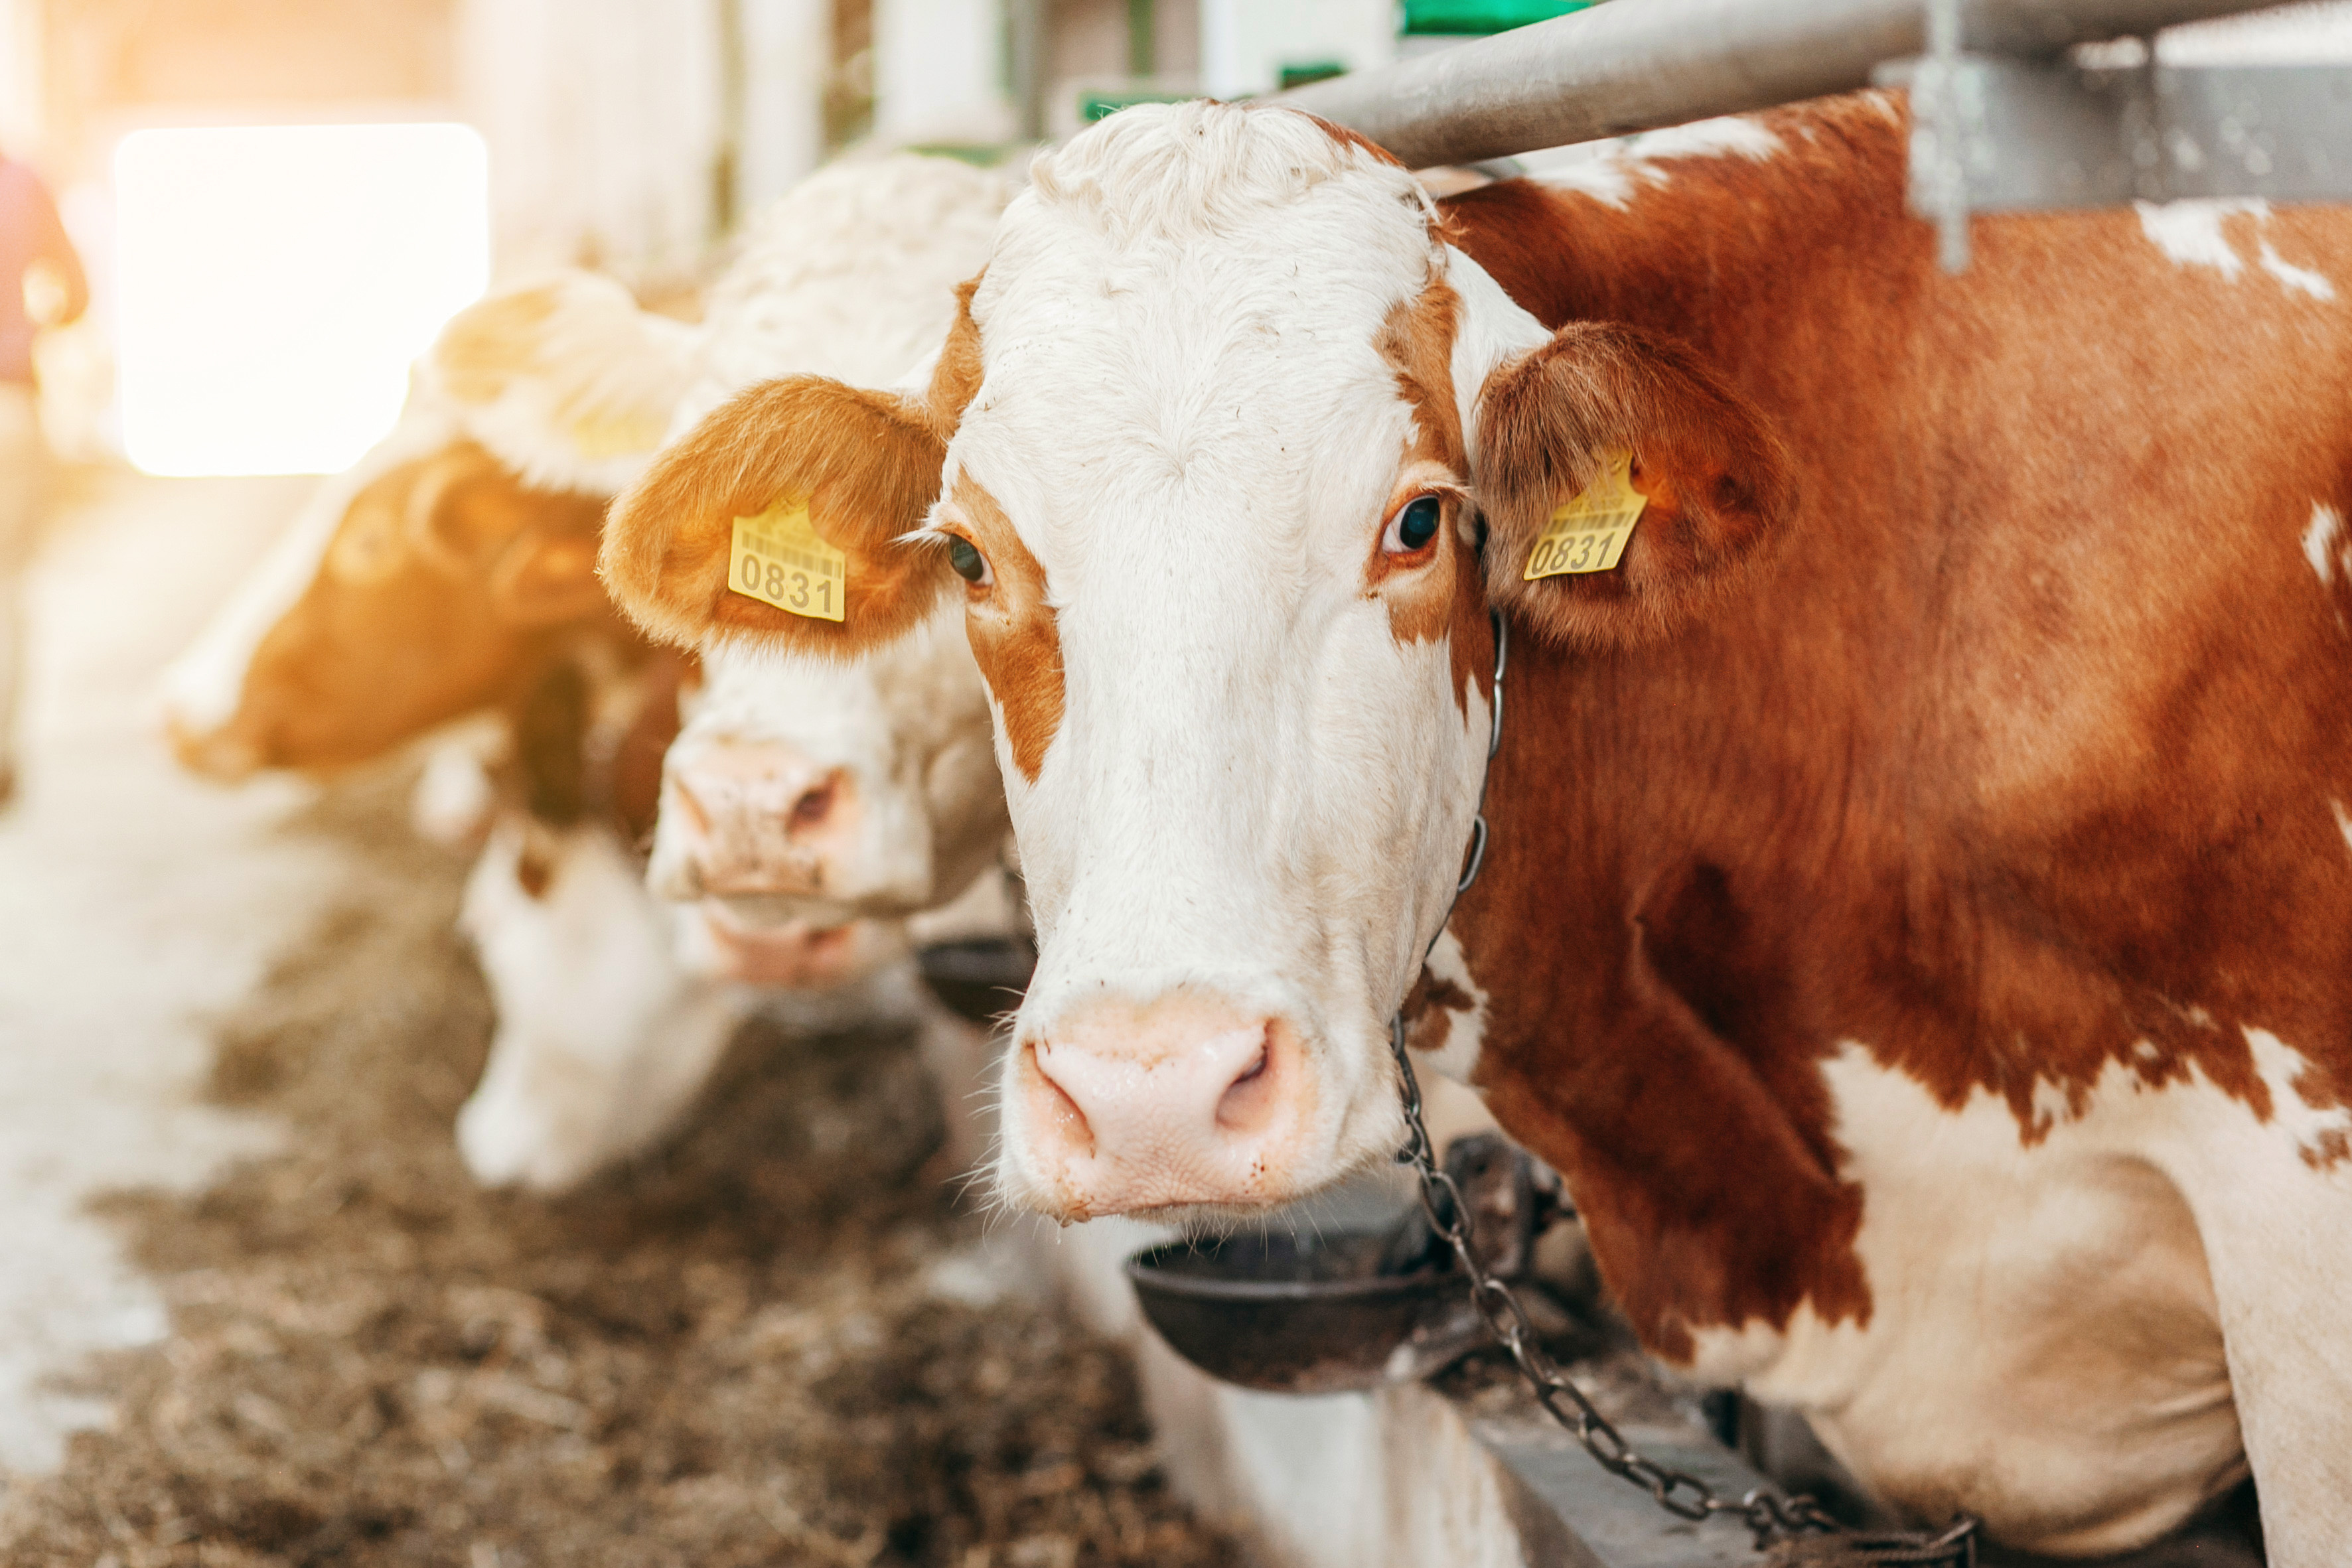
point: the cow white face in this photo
(1209, 457)
(805, 791)
(1215, 480)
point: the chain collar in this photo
(1772, 1519)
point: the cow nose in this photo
(1171, 1107)
(756, 817)
(220, 753)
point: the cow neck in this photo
(1699, 1159)
(1701, 1162)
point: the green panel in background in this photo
(1095, 104)
(1455, 16)
(1305, 71)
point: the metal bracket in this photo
(1995, 134)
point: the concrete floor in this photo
(133, 900)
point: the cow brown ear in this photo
(1714, 478)
(546, 578)
(866, 464)
(462, 510)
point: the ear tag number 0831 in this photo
(778, 559)
(1588, 533)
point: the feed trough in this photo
(1327, 1311)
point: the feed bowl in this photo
(1307, 1314)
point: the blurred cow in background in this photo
(450, 576)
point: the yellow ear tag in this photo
(778, 559)
(1588, 533)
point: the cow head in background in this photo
(1226, 459)
(442, 572)
(799, 788)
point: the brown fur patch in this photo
(956, 377)
(1347, 138)
(1429, 1008)
(1014, 635)
(1444, 597)
(870, 463)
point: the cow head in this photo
(434, 585)
(434, 577)
(1227, 458)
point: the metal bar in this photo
(1025, 38)
(1142, 39)
(2027, 137)
(1638, 64)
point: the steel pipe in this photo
(1638, 64)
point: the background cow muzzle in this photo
(754, 817)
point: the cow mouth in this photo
(797, 953)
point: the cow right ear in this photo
(1627, 486)
(858, 468)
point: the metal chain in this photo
(1771, 1518)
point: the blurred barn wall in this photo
(605, 123)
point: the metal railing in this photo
(1639, 65)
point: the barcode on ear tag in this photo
(779, 559)
(1588, 533)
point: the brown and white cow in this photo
(1918, 919)
(452, 573)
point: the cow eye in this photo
(969, 563)
(1414, 526)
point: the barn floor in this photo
(235, 1024)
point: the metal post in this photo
(1025, 28)
(1142, 46)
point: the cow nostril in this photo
(690, 811)
(813, 806)
(1249, 1100)
(1067, 1119)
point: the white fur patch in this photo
(2190, 233)
(602, 1041)
(2297, 279)
(2319, 541)
(851, 274)
(590, 398)
(1466, 1029)
(1611, 172)
(2318, 1133)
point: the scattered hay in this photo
(729, 1354)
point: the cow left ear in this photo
(1570, 435)
(547, 578)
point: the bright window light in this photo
(274, 282)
